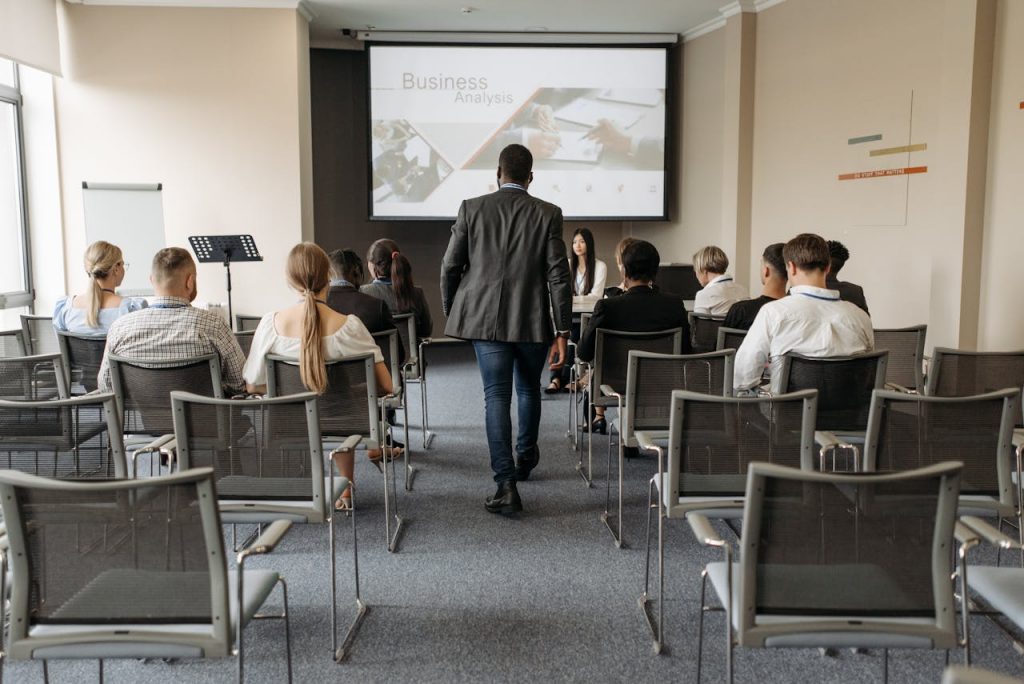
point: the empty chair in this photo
(11, 343)
(958, 674)
(646, 404)
(713, 443)
(144, 398)
(837, 560)
(244, 338)
(905, 369)
(421, 354)
(82, 355)
(729, 338)
(389, 341)
(844, 385)
(33, 378)
(82, 588)
(245, 323)
(38, 335)
(268, 464)
(609, 367)
(704, 331)
(77, 438)
(349, 408)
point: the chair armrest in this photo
(158, 444)
(350, 443)
(987, 532)
(828, 440)
(646, 441)
(703, 530)
(899, 388)
(266, 542)
(607, 391)
(965, 535)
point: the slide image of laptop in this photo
(405, 163)
(646, 97)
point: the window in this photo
(15, 278)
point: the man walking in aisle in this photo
(504, 275)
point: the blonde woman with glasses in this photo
(314, 333)
(93, 311)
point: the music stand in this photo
(225, 249)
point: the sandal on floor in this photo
(344, 503)
(554, 387)
(377, 455)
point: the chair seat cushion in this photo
(266, 510)
(721, 507)
(1001, 588)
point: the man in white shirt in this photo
(812, 320)
(719, 290)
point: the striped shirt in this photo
(171, 329)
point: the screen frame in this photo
(667, 171)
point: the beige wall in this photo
(213, 103)
(827, 71)
(1001, 323)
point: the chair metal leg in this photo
(605, 516)
(287, 626)
(700, 621)
(645, 601)
(409, 470)
(661, 577)
(239, 640)
(885, 665)
(341, 653)
(101, 671)
(390, 506)
(46, 673)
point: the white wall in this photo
(208, 102)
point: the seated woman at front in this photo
(313, 333)
(92, 312)
(719, 290)
(392, 282)
(588, 280)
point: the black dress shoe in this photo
(505, 500)
(526, 463)
(599, 425)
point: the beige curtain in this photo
(28, 33)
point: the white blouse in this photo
(350, 339)
(600, 276)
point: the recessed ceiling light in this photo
(468, 10)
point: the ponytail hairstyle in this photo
(100, 259)
(309, 273)
(386, 258)
(590, 257)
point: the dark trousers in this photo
(500, 363)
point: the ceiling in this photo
(601, 16)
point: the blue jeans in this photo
(499, 362)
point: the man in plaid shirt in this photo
(171, 328)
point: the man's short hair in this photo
(772, 256)
(170, 263)
(808, 252)
(711, 259)
(839, 254)
(516, 163)
(640, 261)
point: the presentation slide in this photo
(594, 119)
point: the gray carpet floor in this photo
(474, 597)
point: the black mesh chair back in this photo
(714, 440)
(845, 552)
(908, 431)
(144, 392)
(406, 325)
(77, 438)
(244, 323)
(116, 559)
(704, 332)
(33, 378)
(957, 373)
(347, 407)
(264, 450)
(844, 385)
(730, 338)
(82, 356)
(38, 335)
(904, 370)
(244, 339)
(611, 355)
(388, 341)
(11, 344)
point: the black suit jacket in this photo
(849, 292)
(505, 271)
(373, 312)
(639, 309)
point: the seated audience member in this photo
(641, 308)
(616, 290)
(392, 282)
(848, 292)
(92, 312)
(589, 276)
(719, 290)
(171, 328)
(313, 333)
(345, 297)
(773, 286)
(812, 320)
